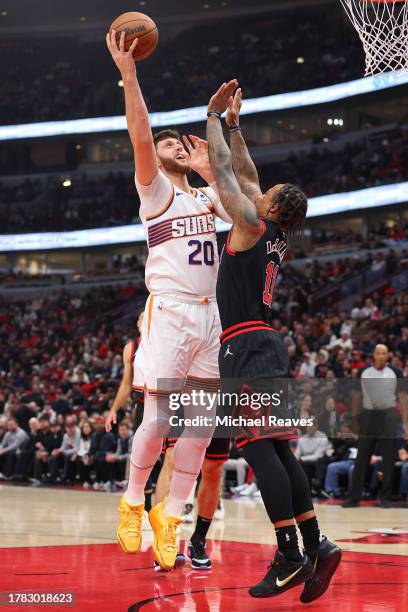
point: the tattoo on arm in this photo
(218, 150)
(244, 167)
(241, 210)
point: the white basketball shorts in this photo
(180, 339)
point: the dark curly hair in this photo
(292, 209)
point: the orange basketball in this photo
(137, 25)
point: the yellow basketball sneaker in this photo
(129, 533)
(164, 529)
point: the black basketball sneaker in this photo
(282, 576)
(198, 556)
(325, 564)
(180, 561)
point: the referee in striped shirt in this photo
(378, 421)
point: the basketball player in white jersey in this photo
(180, 335)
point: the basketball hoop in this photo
(382, 26)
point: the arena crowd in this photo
(72, 78)
(60, 366)
(111, 200)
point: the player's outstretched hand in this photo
(197, 148)
(123, 59)
(221, 98)
(111, 418)
(233, 108)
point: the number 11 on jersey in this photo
(272, 270)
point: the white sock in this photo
(135, 498)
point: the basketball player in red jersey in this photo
(253, 355)
(123, 394)
(125, 387)
(181, 328)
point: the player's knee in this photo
(149, 427)
(212, 470)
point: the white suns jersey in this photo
(180, 232)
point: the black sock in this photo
(201, 529)
(288, 542)
(148, 500)
(311, 536)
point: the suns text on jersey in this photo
(192, 225)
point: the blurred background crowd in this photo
(63, 364)
(66, 313)
(77, 79)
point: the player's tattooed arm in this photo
(241, 210)
(137, 115)
(243, 166)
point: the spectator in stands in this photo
(23, 413)
(322, 367)
(357, 311)
(62, 457)
(347, 323)
(340, 460)
(310, 448)
(345, 343)
(237, 463)
(12, 442)
(61, 404)
(402, 345)
(49, 439)
(3, 427)
(307, 369)
(304, 407)
(369, 310)
(327, 419)
(116, 462)
(102, 443)
(48, 413)
(82, 457)
(403, 457)
(26, 453)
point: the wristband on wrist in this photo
(214, 114)
(234, 128)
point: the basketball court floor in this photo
(64, 540)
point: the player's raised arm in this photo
(197, 148)
(125, 387)
(244, 167)
(241, 210)
(137, 116)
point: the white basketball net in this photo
(383, 30)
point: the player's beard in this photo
(174, 167)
